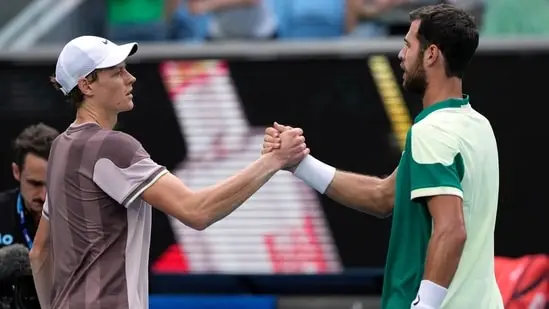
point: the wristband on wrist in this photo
(429, 296)
(317, 174)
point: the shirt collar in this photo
(448, 103)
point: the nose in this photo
(401, 55)
(131, 78)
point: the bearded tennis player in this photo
(92, 245)
(443, 196)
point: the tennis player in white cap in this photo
(92, 245)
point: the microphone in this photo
(17, 289)
(14, 263)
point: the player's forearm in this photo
(365, 193)
(360, 192)
(443, 255)
(218, 201)
(42, 272)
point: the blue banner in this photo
(212, 302)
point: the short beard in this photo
(416, 80)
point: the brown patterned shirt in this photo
(100, 227)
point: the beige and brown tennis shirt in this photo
(100, 226)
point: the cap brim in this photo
(118, 55)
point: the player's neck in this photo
(442, 90)
(91, 113)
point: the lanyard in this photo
(22, 224)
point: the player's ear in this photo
(85, 86)
(431, 55)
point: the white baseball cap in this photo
(84, 54)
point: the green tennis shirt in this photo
(135, 11)
(450, 150)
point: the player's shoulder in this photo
(437, 128)
(431, 125)
(119, 140)
(120, 148)
(442, 117)
(446, 121)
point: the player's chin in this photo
(126, 106)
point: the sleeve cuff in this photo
(433, 191)
(144, 186)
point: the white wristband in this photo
(429, 296)
(316, 174)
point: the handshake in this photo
(285, 145)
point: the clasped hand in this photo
(286, 143)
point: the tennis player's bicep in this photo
(171, 196)
(447, 213)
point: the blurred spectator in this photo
(139, 20)
(474, 7)
(361, 19)
(396, 18)
(516, 18)
(188, 27)
(311, 19)
(237, 19)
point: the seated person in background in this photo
(237, 19)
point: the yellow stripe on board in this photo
(391, 97)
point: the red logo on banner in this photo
(296, 251)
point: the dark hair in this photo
(36, 139)
(75, 97)
(452, 30)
